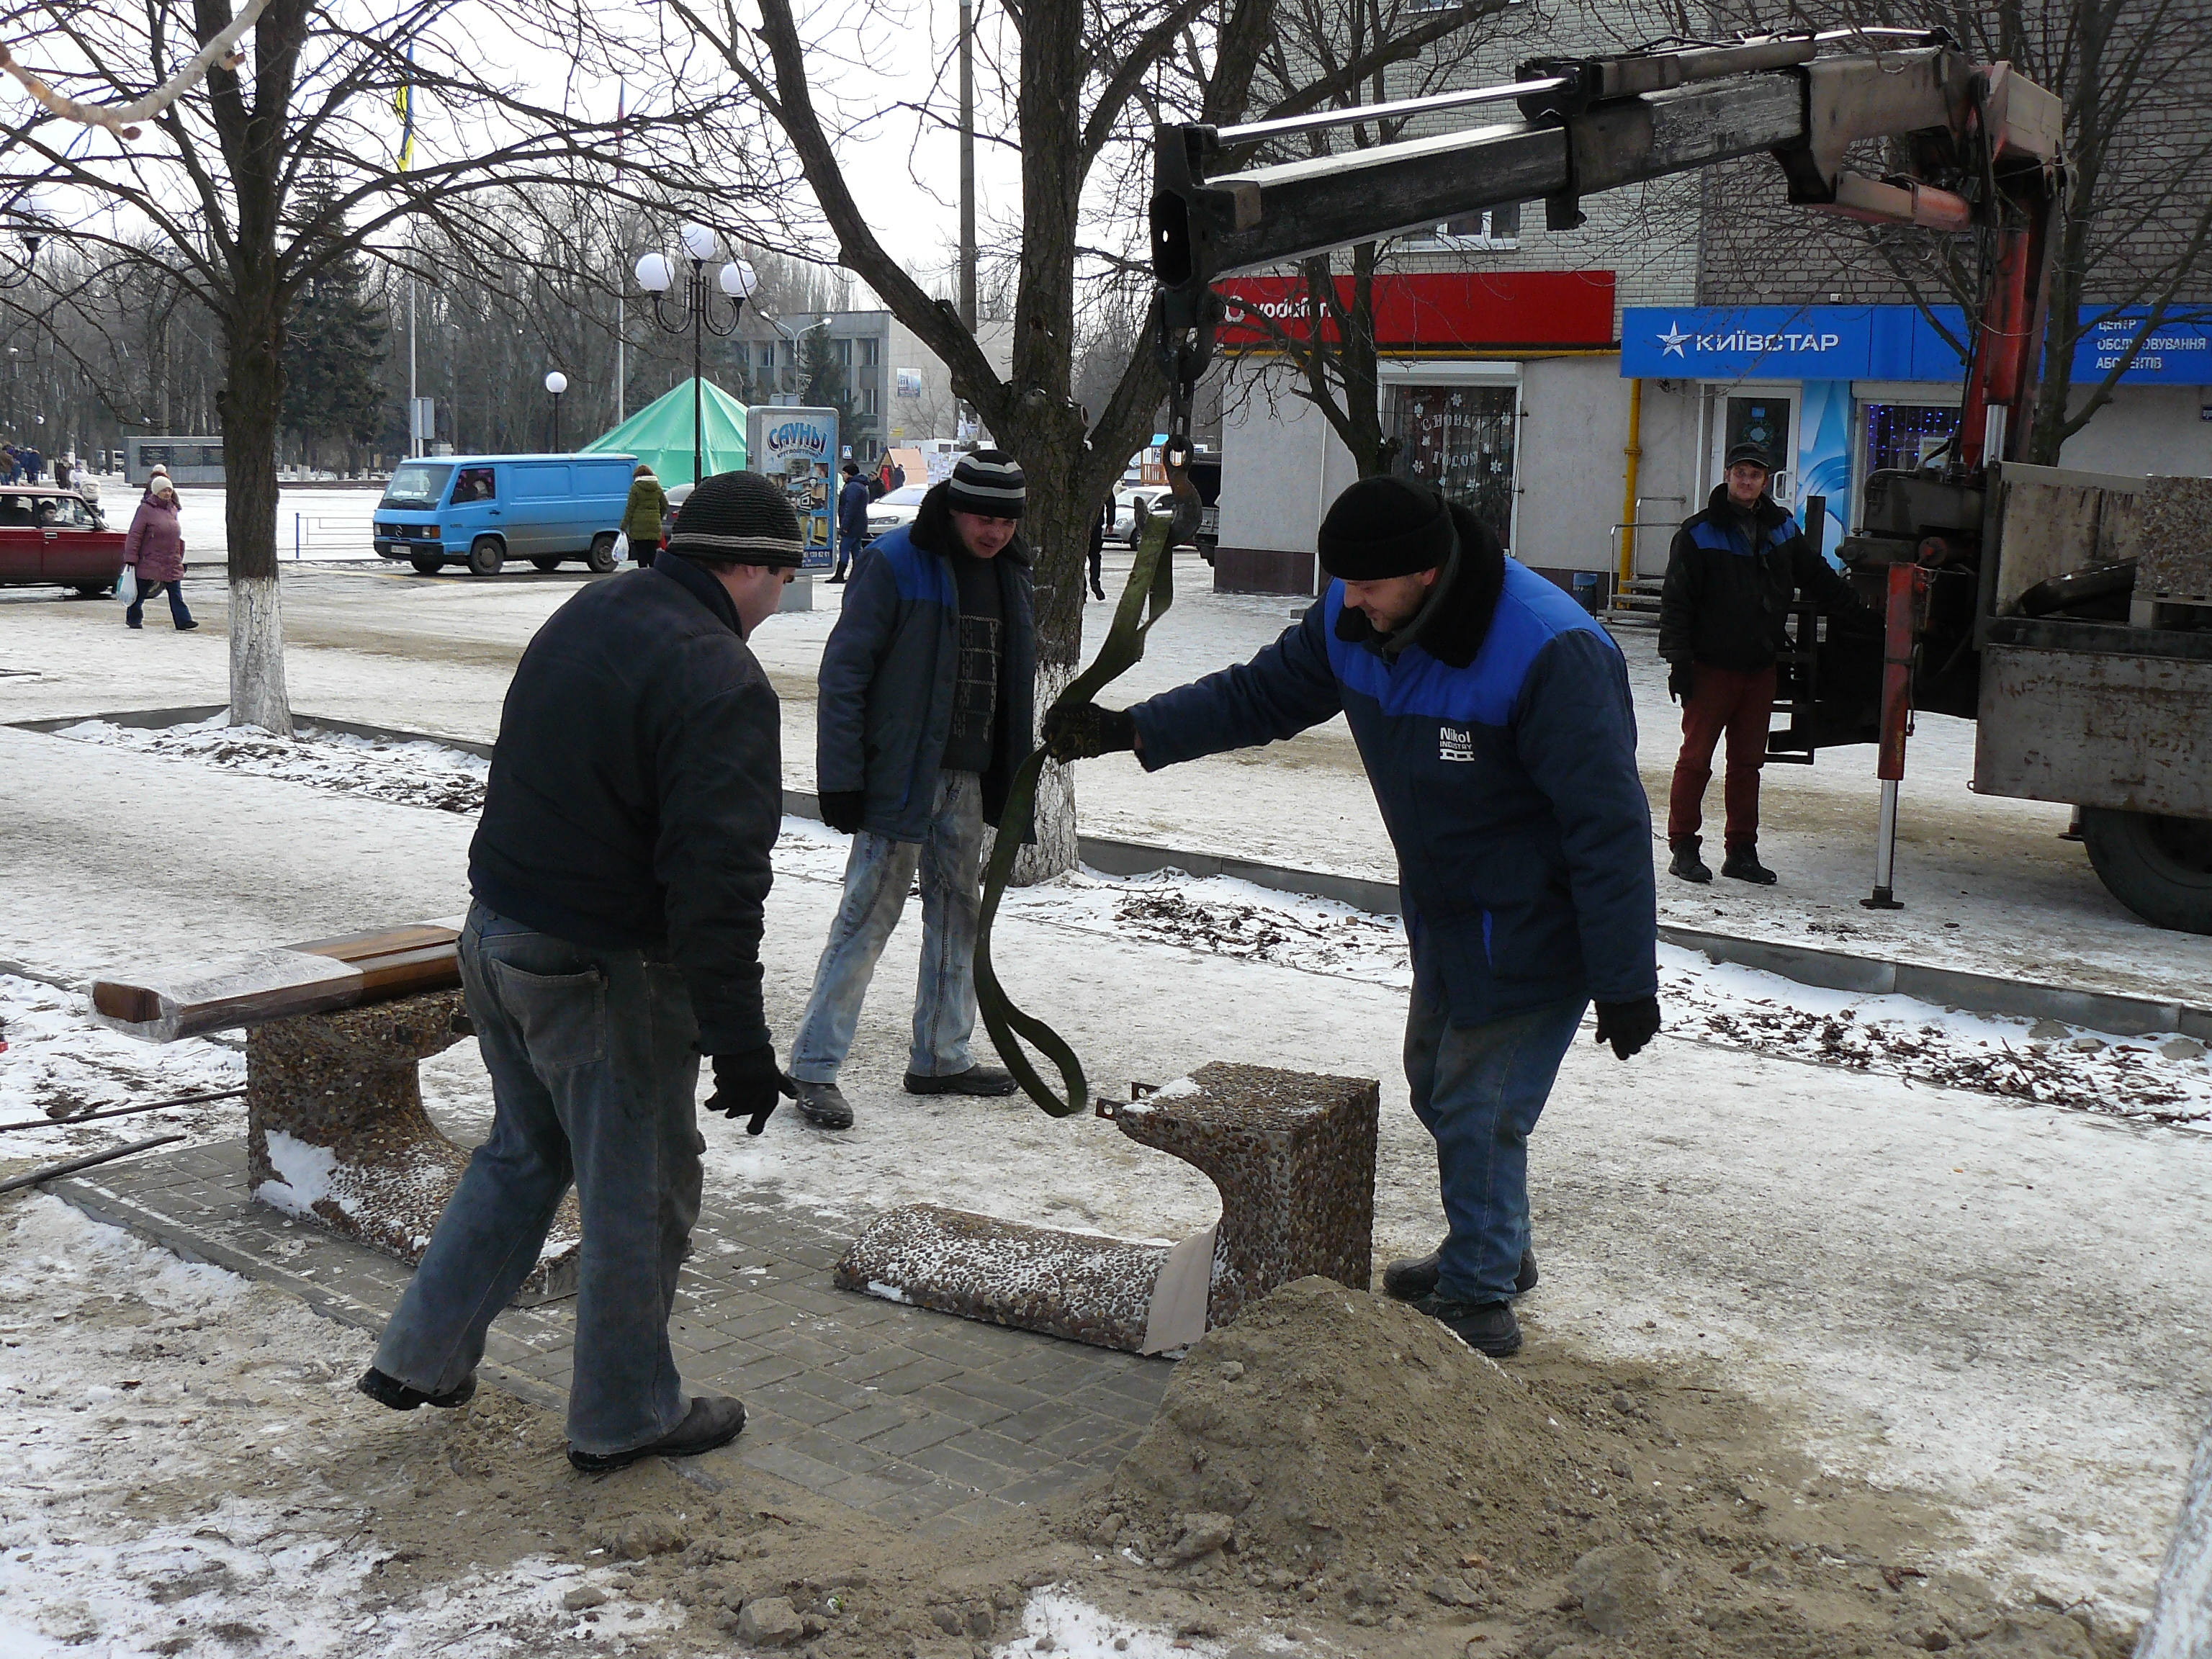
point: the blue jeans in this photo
(877, 874)
(1478, 1089)
(594, 1076)
(848, 551)
(178, 614)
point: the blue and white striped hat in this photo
(989, 481)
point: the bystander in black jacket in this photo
(637, 788)
(1730, 579)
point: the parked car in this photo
(56, 536)
(483, 510)
(1126, 498)
(887, 513)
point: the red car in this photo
(49, 535)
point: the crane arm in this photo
(1579, 126)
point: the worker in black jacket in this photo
(1732, 574)
(619, 873)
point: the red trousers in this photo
(1741, 705)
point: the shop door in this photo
(1460, 438)
(1764, 421)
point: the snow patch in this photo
(1058, 1620)
(305, 1172)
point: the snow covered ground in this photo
(1988, 885)
(1994, 1299)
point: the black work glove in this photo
(1082, 731)
(748, 1086)
(1628, 1025)
(843, 810)
(1681, 680)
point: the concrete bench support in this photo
(336, 1135)
(1292, 1155)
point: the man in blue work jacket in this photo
(1494, 720)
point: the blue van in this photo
(483, 510)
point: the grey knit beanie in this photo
(989, 481)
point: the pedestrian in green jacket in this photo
(642, 513)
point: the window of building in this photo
(842, 350)
(768, 354)
(1494, 228)
(868, 400)
(1460, 438)
(870, 348)
(1904, 436)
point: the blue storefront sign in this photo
(1874, 343)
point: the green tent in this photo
(660, 434)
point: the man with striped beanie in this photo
(927, 687)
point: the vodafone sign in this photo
(1435, 311)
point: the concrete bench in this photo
(336, 1031)
(1292, 1155)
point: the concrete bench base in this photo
(1292, 1155)
(337, 1138)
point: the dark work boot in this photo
(975, 1081)
(1411, 1278)
(1686, 863)
(1486, 1326)
(714, 1421)
(1742, 865)
(391, 1391)
(824, 1105)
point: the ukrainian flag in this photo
(402, 104)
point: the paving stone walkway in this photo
(902, 1412)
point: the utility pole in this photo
(622, 370)
(414, 438)
(968, 165)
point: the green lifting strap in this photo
(1152, 582)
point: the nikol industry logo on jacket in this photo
(1453, 744)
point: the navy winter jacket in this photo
(852, 510)
(637, 788)
(886, 681)
(1507, 778)
(1725, 600)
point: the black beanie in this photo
(989, 481)
(1383, 527)
(740, 517)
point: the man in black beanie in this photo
(927, 687)
(619, 873)
(1494, 720)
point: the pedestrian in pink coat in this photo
(154, 546)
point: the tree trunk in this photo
(1056, 522)
(248, 405)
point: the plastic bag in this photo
(622, 545)
(126, 585)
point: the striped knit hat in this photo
(739, 517)
(989, 482)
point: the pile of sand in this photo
(1336, 1459)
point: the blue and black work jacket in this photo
(1501, 746)
(888, 674)
(1730, 580)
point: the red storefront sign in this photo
(1437, 311)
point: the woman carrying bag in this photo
(154, 549)
(642, 513)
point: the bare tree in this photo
(211, 200)
(1079, 88)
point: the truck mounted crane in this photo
(2060, 610)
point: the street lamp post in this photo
(656, 274)
(557, 383)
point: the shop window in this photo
(1905, 437)
(1460, 438)
(1494, 228)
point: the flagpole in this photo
(621, 373)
